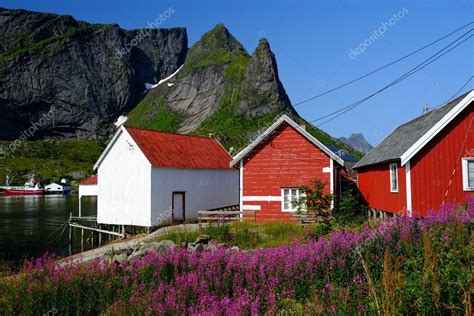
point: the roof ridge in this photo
(436, 109)
(169, 133)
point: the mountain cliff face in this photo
(358, 142)
(82, 77)
(220, 90)
(79, 74)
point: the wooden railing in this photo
(232, 213)
(305, 218)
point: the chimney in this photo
(303, 124)
(426, 109)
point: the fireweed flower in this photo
(223, 282)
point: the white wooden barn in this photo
(148, 177)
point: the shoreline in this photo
(122, 245)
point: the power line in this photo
(417, 68)
(454, 96)
(413, 71)
(383, 67)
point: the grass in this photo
(24, 45)
(247, 235)
(154, 116)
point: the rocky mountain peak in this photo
(84, 76)
(262, 91)
(218, 43)
(358, 142)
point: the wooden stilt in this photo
(100, 236)
(70, 234)
(82, 239)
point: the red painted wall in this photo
(432, 167)
(374, 185)
(285, 159)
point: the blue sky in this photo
(312, 41)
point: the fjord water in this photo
(31, 225)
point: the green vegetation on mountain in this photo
(220, 90)
(52, 160)
(152, 114)
(223, 91)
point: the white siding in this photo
(124, 185)
(205, 189)
(88, 190)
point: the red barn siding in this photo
(374, 185)
(432, 167)
(285, 159)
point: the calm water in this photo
(30, 226)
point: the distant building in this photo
(87, 187)
(284, 158)
(423, 163)
(147, 177)
(58, 188)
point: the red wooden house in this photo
(273, 168)
(423, 163)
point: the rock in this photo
(194, 247)
(219, 76)
(358, 142)
(262, 91)
(164, 246)
(203, 239)
(83, 74)
(129, 251)
(167, 244)
(213, 246)
(120, 258)
(138, 253)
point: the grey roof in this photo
(404, 136)
(344, 155)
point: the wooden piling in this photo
(100, 235)
(70, 234)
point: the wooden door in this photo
(179, 206)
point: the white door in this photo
(179, 206)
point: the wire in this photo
(457, 161)
(356, 104)
(454, 96)
(417, 68)
(381, 68)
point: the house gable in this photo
(286, 159)
(268, 132)
(437, 128)
(409, 138)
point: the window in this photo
(290, 197)
(393, 177)
(468, 174)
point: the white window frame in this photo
(392, 189)
(299, 194)
(465, 174)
